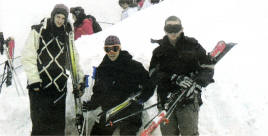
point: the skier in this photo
(83, 24)
(129, 8)
(44, 61)
(117, 78)
(177, 58)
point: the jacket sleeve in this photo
(148, 89)
(206, 71)
(29, 58)
(96, 98)
(155, 73)
(159, 79)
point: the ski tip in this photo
(232, 44)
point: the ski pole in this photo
(171, 108)
(3, 78)
(103, 22)
(15, 69)
(163, 116)
(85, 124)
(85, 120)
(133, 114)
(13, 59)
(150, 121)
(154, 123)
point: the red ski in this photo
(161, 117)
(220, 50)
(11, 46)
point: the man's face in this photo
(59, 20)
(112, 51)
(173, 35)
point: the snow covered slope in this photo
(235, 105)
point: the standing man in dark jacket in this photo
(44, 62)
(117, 78)
(172, 67)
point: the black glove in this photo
(87, 106)
(138, 101)
(82, 86)
(37, 87)
(79, 92)
(35, 92)
(184, 82)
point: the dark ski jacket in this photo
(116, 81)
(184, 59)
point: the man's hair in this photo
(172, 18)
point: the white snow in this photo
(235, 105)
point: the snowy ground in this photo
(235, 105)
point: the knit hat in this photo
(112, 40)
(62, 9)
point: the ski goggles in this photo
(113, 48)
(173, 28)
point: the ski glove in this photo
(35, 87)
(138, 101)
(184, 82)
(87, 106)
(82, 87)
(79, 92)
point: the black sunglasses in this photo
(173, 28)
(113, 48)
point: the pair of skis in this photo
(75, 81)
(7, 47)
(81, 122)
